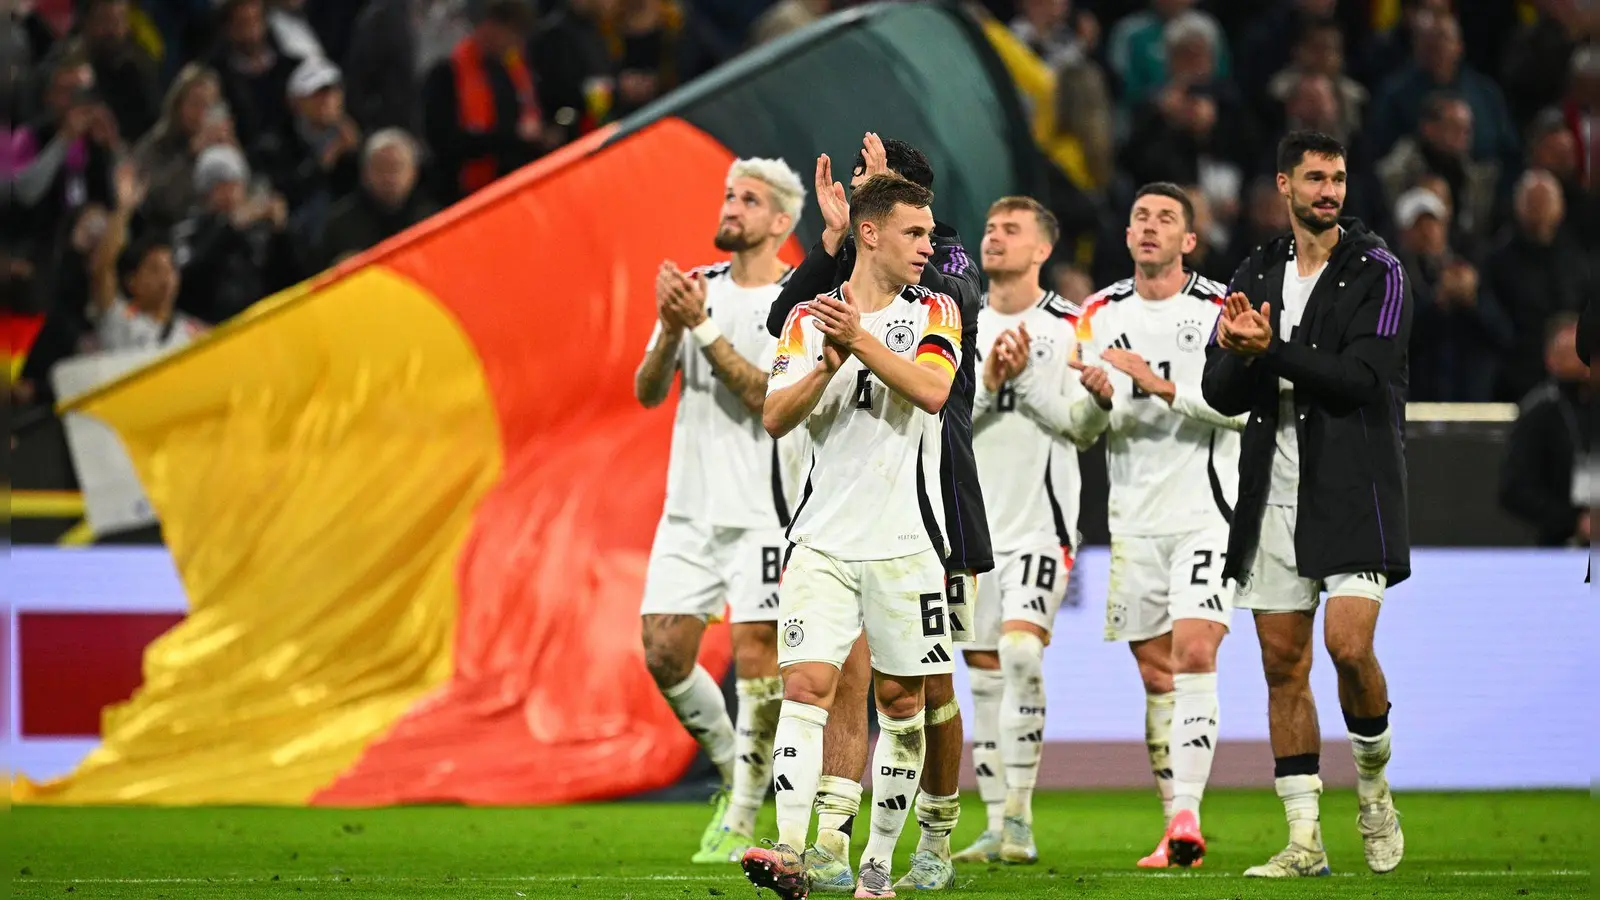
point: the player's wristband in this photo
(706, 333)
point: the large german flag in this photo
(411, 501)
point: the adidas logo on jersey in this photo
(1122, 342)
(936, 655)
(898, 801)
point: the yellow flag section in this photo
(313, 628)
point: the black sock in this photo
(1369, 727)
(1302, 764)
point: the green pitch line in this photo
(1507, 845)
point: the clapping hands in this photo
(1242, 329)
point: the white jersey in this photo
(725, 470)
(1029, 475)
(1173, 469)
(873, 491)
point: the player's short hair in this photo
(902, 159)
(1048, 225)
(875, 199)
(1295, 145)
(1168, 189)
(788, 191)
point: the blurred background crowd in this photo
(168, 163)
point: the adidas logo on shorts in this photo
(936, 655)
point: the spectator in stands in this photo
(1051, 31)
(383, 71)
(785, 16)
(123, 71)
(287, 19)
(1536, 63)
(318, 162)
(1265, 217)
(1072, 283)
(1278, 40)
(644, 37)
(1441, 146)
(1582, 111)
(1319, 51)
(482, 115)
(255, 77)
(1210, 254)
(236, 249)
(1311, 103)
(1460, 332)
(193, 118)
(62, 159)
(387, 203)
(133, 290)
(1197, 129)
(1552, 147)
(1384, 55)
(1138, 49)
(1536, 274)
(1437, 66)
(1548, 443)
(577, 81)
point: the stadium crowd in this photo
(168, 164)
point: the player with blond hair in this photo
(729, 490)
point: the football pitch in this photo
(1511, 845)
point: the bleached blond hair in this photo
(788, 191)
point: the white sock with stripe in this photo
(760, 701)
(896, 771)
(1022, 718)
(698, 702)
(796, 769)
(988, 691)
(1194, 737)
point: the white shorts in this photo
(1273, 583)
(1024, 587)
(1155, 580)
(825, 603)
(695, 568)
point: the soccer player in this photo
(1318, 362)
(1171, 460)
(720, 538)
(867, 370)
(1027, 336)
(952, 273)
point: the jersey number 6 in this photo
(932, 614)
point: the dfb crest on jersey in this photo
(793, 634)
(900, 337)
(1043, 349)
(1190, 336)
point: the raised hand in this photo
(1251, 333)
(875, 157)
(686, 296)
(130, 187)
(832, 204)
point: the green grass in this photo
(1458, 845)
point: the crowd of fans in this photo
(170, 163)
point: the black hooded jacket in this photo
(1348, 363)
(951, 272)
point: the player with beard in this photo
(1318, 362)
(720, 539)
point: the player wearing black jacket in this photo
(1311, 344)
(953, 273)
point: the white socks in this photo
(1194, 737)
(838, 802)
(988, 687)
(1158, 712)
(1372, 757)
(1021, 718)
(896, 770)
(760, 699)
(698, 702)
(1300, 795)
(937, 817)
(796, 769)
